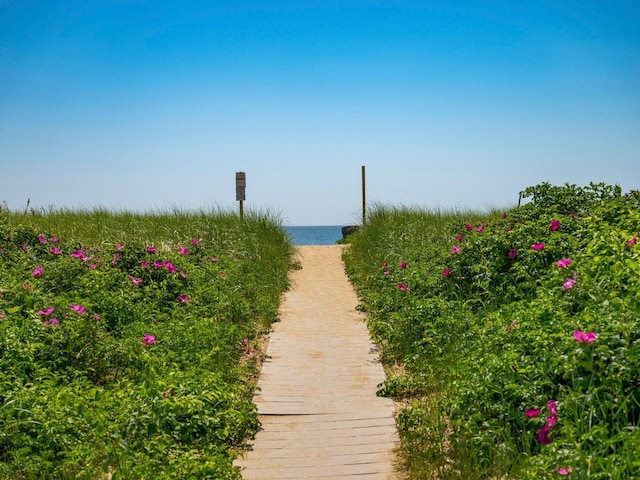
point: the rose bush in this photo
(538, 312)
(122, 359)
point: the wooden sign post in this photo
(241, 184)
(364, 198)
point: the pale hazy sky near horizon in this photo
(151, 105)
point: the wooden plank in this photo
(316, 394)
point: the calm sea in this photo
(318, 235)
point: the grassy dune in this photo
(512, 339)
(128, 340)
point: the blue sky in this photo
(147, 105)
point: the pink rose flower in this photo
(585, 337)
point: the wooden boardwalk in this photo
(316, 394)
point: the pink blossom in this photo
(120, 246)
(385, 265)
(403, 287)
(631, 242)
(157, 264)
(455, 249)
(170, 266)
(564, 263)
(480, 229)
(553, 418)
(195, 241)
(136, 281)
(78, 254)
(459, 237)
(564, 471)
(183, 274)
(446, 272)
(468, 227)
(55, 251)
(38, 271)
(79, 309)
(144, 264)
(386, 272)
(93, 266)
(184, 298)
(214, 259)
(95, 317)
(543, 435)
(555, 225)
(151, 249)
(537, 246)
(148, 340)
(532, 413)
(52, 321)
(54, 240)
(584, 337)
(513, 253)
(42, 239)
(403, 265)
(504, 215)
(568, 284)
(47, 311)
(182, 250)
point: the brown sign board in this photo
(241, 184)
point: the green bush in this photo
(123, 340)
(518, 333)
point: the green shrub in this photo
(535, 311)
(123, 340)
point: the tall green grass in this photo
(420, 238)
(155, 380)
(483, 322)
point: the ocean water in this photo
(316, 235)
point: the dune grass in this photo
(511, 340)
(128, 340)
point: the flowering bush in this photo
(525, 356)
(120, 356)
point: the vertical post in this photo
(364, 198)
(241, 184)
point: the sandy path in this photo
(316, 394)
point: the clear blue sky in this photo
(459, 104)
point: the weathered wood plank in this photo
(316, 394)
